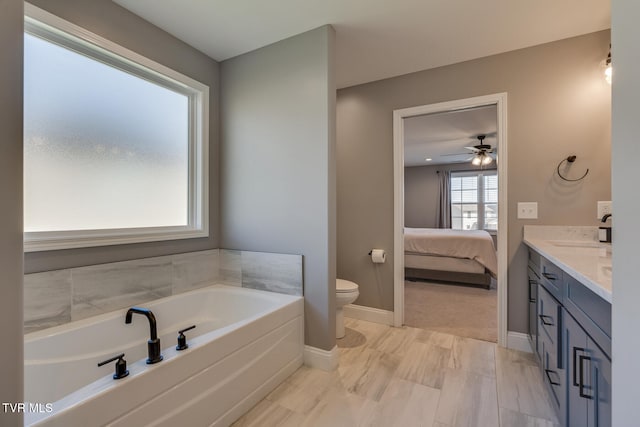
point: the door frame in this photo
(500, 100)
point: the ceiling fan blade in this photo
(474, 149)
(454, 154)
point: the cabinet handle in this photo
(548, 372)
(549, 276)
(575, 365)
(531, 282)
(582, 386)
(544, 316)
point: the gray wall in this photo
(117, 24)
(278, 163)
(626, 204)
(558, 104)
(421, 193)
(11, 36)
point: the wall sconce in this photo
(608, 70)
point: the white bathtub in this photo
(244, 344)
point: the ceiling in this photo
(438, 136)
(377, 39)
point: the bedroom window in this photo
(115, 145)
(474, 200)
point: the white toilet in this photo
(346, 293)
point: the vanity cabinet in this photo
(572, 340)
(533, 279)
(550, 342)
(589, 376)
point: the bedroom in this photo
(451, 221)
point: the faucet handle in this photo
(121, 366)
(182, 340)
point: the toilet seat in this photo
(345, 286)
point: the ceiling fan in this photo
(482, 152)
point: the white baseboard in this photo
(326, 360)
(369, 314)
(518, 341)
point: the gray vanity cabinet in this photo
(570, 332)
(533, 277)
(550, 347)
(576, 347)
(589, 379)
(533, 315)
(599, 410)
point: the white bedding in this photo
(469, 244)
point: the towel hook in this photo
(570, 159)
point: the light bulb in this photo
(476, 160)
(608, 72)
(486, 160)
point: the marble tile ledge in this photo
(577, 251)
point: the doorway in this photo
(497, 103)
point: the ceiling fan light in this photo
(608, 70)
(486, 160)
(477, 160)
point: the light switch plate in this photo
(603, 208)
(527, 210)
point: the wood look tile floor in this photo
(410, 377)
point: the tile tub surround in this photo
(56, 297)
(272, 272)
(591, 266)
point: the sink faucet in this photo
(154, 342)
(605, 217)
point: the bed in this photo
(463, 256)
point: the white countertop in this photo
(576, 251)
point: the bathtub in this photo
(245, 343)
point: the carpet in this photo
(453, 309)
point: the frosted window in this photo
(103, 148)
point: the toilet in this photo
(346, 293)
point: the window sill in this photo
(47, 241)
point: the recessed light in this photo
(428, 159)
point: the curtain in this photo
(443, 215)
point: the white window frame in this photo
(57, 30)
(479, 174)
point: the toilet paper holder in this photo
(378, 256)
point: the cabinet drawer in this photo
(547, 314)
(550, 323)
(552, 278)
(534, 260)
(594, 307)
(592, 312)
(554, 377)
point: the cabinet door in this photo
(578, 395)
(533, 310)
(600, 404)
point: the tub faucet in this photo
(606, 217)
(154, 342)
